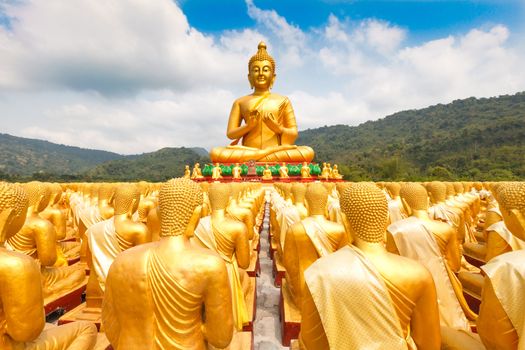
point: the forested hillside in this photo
(161, 165)
(480, 139)
(24, 157)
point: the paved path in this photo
(267, 327)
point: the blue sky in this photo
(134, 76)
(426, 19)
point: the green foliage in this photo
(478, 139)
(161, 165)
(24, 157)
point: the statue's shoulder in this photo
(12, 264)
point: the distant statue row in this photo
(328, 172)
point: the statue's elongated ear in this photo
(6, 217)
(194, 221)
(406, 206)
(519, 218)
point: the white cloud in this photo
(134, 76)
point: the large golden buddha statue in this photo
(269, 130)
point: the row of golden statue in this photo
(172, 265)
(327, 172)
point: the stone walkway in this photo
(267, 328)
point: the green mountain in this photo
(25, 157)
(481, 139)
(161, 165)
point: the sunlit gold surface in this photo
(229, 238)
(168, 294)
(269, 130)
(407, 284)
(21, 301)
(310, 239)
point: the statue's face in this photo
(261, 74)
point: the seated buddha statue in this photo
(21, 300)
(216, 173)
(229, 239)
(435, 245)
(106, 192)
(267, 173)
(395, 296)
(269, 130)
(197, 172)
(239, 212)
(305, 171)
(169, 294)
(236, 172)
(110, 237)
(298, 196)
(187, 172)
(37, 238)
(395, 207)
(508, 234)
(335, 173)
(54, 214)
(311, 238)
(283, 171)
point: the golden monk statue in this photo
(283, 171)
(305, 171)
(37, 238)
(269, 130)
(236, 172)
(169, 294)
(267, 173)
(197, 173)
(239, 212)
(21, 303)
(110, 237)
(106, 192)
(229, 239)
(54, 214)
(335, 173)
(216, 173)
(500, 323)
(311, 238)
(435, 245)
(187, 172)
(395, 296)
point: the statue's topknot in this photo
(262, 55)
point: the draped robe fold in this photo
(415, 241)
(344, 282)
(507, 275)
(211, 237)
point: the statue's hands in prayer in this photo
(269, 120)
(253, 119)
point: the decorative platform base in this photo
(290, 316)
(278, 270)
(82, 313)
(66, 301)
